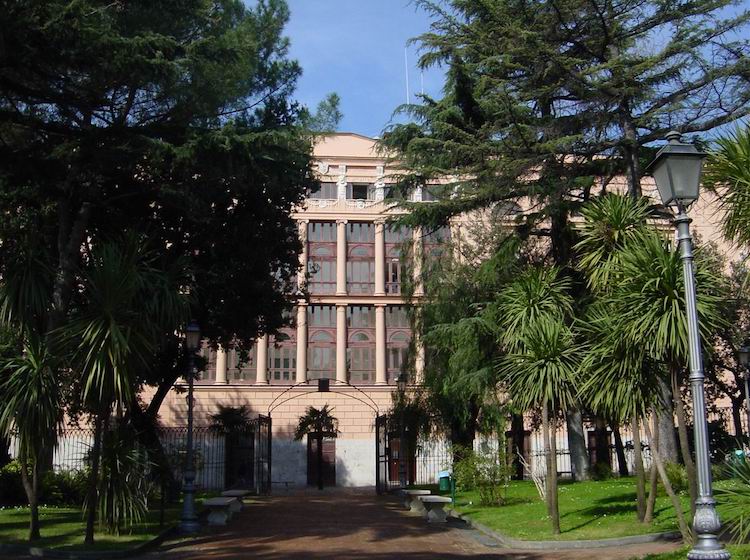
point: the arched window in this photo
(397, 241)
(360, 321)
(398, 341)
(321, 355)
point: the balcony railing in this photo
(349, 205)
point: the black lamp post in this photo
(677, 171)
(744, 354)
(189, 523)
(401, 383)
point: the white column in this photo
(341, 374)
(221, 366)
(261, 361)
(301, 343)
(381, 374)
(302, 274)
(418, 250)
(379, 258)
(340, 257)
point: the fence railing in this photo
(222, 459)
(434, 454)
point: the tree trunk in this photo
(550, 451)
(651, 504)
(630, 151)
(622, 461)
(148, 436)
(640, 475)
(31, 487)
(579, 457)
(676, 504)
(320, 460)
(70, 235)
(736, 420)
(602, 441)
(518, 437)
(93, 482)
(665, 416)
(687, 457)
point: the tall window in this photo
(208, 375)
(282, 358)
(241, 367)
(325, 191)
(398, 335)
(321, 238)
(397, 239)
(360, 262)
(361, 346)
(321, 341)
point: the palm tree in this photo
(30, 384)
(620, 381)
(31, 411)
(728, 171)
(318, 423)
(128, 305)
(540, 366)
(645, 292)
(542, 374)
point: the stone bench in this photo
(435, 508)
(238, 494)
(411, 502)
(221, 509)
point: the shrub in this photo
(11, 487)
(736, 499)
(486, 472)
(123, 482)
(64, 488)
(677, 476)
(601, 471)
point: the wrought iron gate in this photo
(263, 455)
(382, 455)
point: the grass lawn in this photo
(64, 528)
(588, 510)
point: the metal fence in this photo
(223, 459)
(434, 454)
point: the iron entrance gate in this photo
(247, 456)
(384, 481)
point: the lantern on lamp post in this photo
(677, 170)
(189, 522)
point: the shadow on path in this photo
(354, 524)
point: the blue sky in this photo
(356, 49)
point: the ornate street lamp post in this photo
(744, 353)
(189, 523)
(677, 170)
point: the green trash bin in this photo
(444, 481)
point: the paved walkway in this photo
(347, 524)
